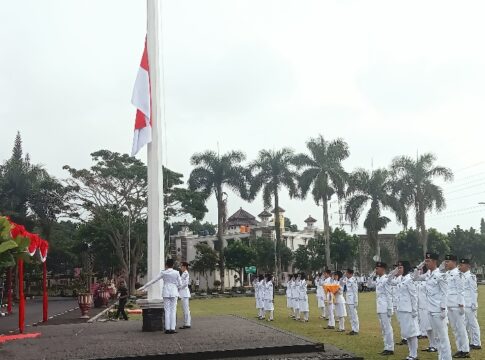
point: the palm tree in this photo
(375, 188)
(271, 171)
(211, 174)
(414, 184)
(324, 171)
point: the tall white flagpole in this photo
(155, 254)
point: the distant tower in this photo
(310, 224)
(282, 218)
(265, 216)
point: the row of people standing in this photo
(264, 294)
(426, 299)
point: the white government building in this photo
(239, 226)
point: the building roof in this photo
(241, 217)
(279, 208)
(264, 214)
(310, 219)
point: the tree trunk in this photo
(220, 238)
(277, 224)
(424, 234)
(326, 233)
(132, 277)
(378, 245)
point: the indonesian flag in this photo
(141, 99)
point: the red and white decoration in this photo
(141, 99)
(35, 243)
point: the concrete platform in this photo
(217, 337)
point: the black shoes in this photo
(353, 333)
(170, 332)
(461, 355)
(403, 342)
(184, 327)
(475, 347)
(387, 353)
(431, 350)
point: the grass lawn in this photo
(367, 344)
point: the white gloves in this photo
(389, 312)
(474, 307)
(142, 288)
(421, 265)
(443, 314)
(462, 310)
(442, 266)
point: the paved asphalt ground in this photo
(33, 312)
(210, 338)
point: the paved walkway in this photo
(210, 338)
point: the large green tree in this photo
(28, 194)
(409, 249)
(414, 182)
(468, 244)
(110, 198)
(272, 171)
(211, 175)
(238, 255)
(324, 174)
(374, 189)
(206, 260)
(345, 247)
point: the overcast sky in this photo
(391, 78)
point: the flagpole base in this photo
(153, 314)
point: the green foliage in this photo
(290, 226)
(467, 244)
(212, 173)
(409, 247)
(344, 247)
(28, 194)
(482, 226)
(206, 260)
(324, 174)
(239, 255)
(414, 184)
(302, 258)
(374, 188)
(265, 250)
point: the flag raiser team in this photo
(425, 300)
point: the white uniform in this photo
(340, 310)
(268, 298)
(260, 298)
(384, 310)
(320, 293)
(352, 298)
(288, 295)
(330, 305)
(170, 292)
(407, 312)
(303, 299)
(471, 306)
(436, 293)
(456, 308)
(296, 300)
(184, 294)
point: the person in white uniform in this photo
(471, 305)
(423, 315)
(330, 301)
(320, 295)
(184, 294)
(352, 299)
(296, 296)
(268, 297)
(303, 298)
(407, 308)
(384, 307)
(340, 309)
(261, 292)
(255, 284)
(289, 300)
(170, 293)
(436, 294)
(455, 302)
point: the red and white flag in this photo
(142, 100)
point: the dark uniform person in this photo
(123, 298)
